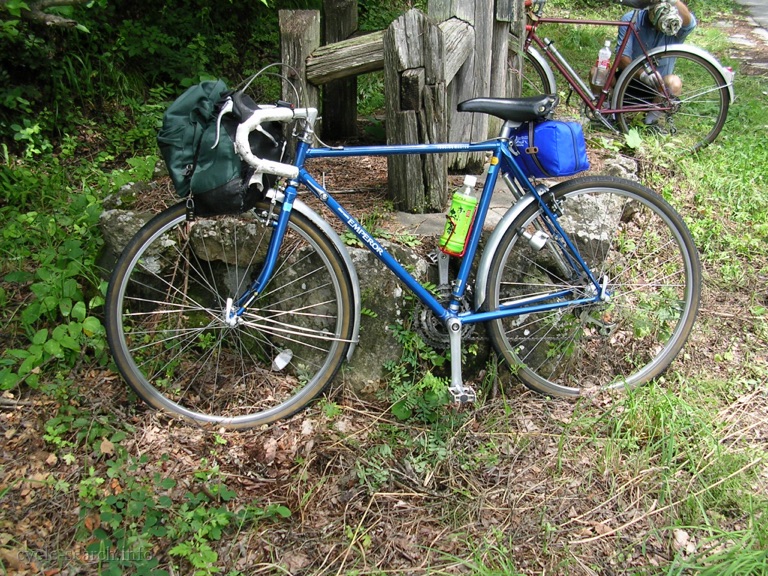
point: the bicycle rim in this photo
(533, 78)
(639, 248)
(689, 121)
(166, 317)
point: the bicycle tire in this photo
(533, 78)
(694, 119)
(166, 307)
(634, 241)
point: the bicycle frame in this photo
(502, 162)
(595, 103)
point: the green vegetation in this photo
(669, 479)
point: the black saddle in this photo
(514, 109)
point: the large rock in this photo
(383, 297)
(385, 304)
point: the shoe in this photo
(657, 130)
(653, 117)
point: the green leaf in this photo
(65, 306)
(19, 277)
(401, 410)
(78, 311)
(92, 326)
(70, 343)
(183, 549)
(167, 483)
(53, 348)
(8, 379)
(40, 337)
(15, 7)
(633, 139)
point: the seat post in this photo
(508, 129)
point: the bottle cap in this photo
(470, 180)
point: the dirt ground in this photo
(556, 512)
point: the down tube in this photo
(372, 245)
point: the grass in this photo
(668, 479)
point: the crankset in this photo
(431, 329)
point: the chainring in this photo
(431, 329)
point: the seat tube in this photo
(481, 212)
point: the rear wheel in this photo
(638, 248)
(534, 79)
(687, 122)
(166, 317)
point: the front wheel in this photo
(167, 310)
(638, 248)
(687, 121)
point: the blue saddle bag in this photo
(551, 148)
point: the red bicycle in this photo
(687, 121)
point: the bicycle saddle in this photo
(514, 109)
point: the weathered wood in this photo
(350, 57)
(440, 10)
(515, 49)
(499, 73)
(472, 80)
(459, 40)
(299, 37)
(412, 84)
(506, 10)
(435, 127)
(415, 111)
(340, 96)
(364, 54)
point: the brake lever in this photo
(226, 109)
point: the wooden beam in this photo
(459, 39)
(351, 57)
(363, 54)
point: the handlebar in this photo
(252, 119)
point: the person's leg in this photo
(674, 87)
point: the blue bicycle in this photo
(239, 321)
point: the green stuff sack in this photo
(216, 177)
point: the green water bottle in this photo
(459, 219)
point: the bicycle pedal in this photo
(464, 395)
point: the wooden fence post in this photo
(472, 80)
(515, 48)
(340, 96)
(415, 111)
(299, 37)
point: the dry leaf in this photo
(52, 459)
(270, 450)
(296, 562)
(106, 447)
(11, 559)
(115, 486)
(91, 522)
(601, 528)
